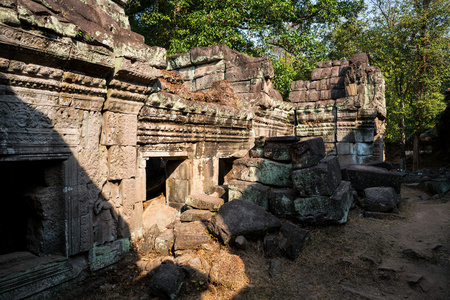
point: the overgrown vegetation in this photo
(408, 39)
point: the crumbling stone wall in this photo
(82, 91)
(344, 104)
(250, 79)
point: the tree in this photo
(255, 27)
(409, 41)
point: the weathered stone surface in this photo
(241, 242)
(158, 213)
(105, 255)
(357, 107)
(320, 209)
(202, 201)
(380, 199)
(148, 242)
(363, 177)
(166, 281)
(281, 201)
(190, 235)
(320, 180)
(263, 171)
(239, 217)
(219, 191)
(249, 191)
(292, 239)
(270, 245)
(307, 153)
(195, 215)
(178, 61)
(121, 162)
(164, 242)
(279, 151)
(202, 55)
(195, 267)
(436, 186)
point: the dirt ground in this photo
(366, 258)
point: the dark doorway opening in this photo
(33, 207)
(156, 177)
(225, 166)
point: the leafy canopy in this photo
(410, 41)
(278, 28)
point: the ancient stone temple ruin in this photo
(94, 123)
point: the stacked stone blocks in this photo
(303, 185)
(344, 104)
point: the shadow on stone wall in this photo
(55, 223)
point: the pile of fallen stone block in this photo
(283, 181)
(293, 179)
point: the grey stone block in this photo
(249, 191)
(239, 217)
(380, 199)
(263, 171)
(321, 209)
(320, 180)
(307, 153)
(281, 201)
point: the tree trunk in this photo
(416, 151)
(403, 142)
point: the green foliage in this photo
(255, 27)
(410, 43)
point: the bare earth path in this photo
(400, 258)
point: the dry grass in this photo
(334, 263)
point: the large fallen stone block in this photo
(380, 199)
(158, 213)
(249, 191)
(321, 209)
(281, 201)
(166, 281)
(202, 201)
(239, 217)
(307, 153)
(363, 177)
(262, 170)
(320, 180)
(435, 186)
(291, 240)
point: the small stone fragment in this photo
(241, 242)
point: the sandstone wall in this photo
(250, 79)
(84, 96)
(344, 104)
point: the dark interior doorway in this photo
(225, 166)
(28, 201)
(156, 177)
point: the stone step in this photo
(190, 235)
(202, 201)
(195, 215)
